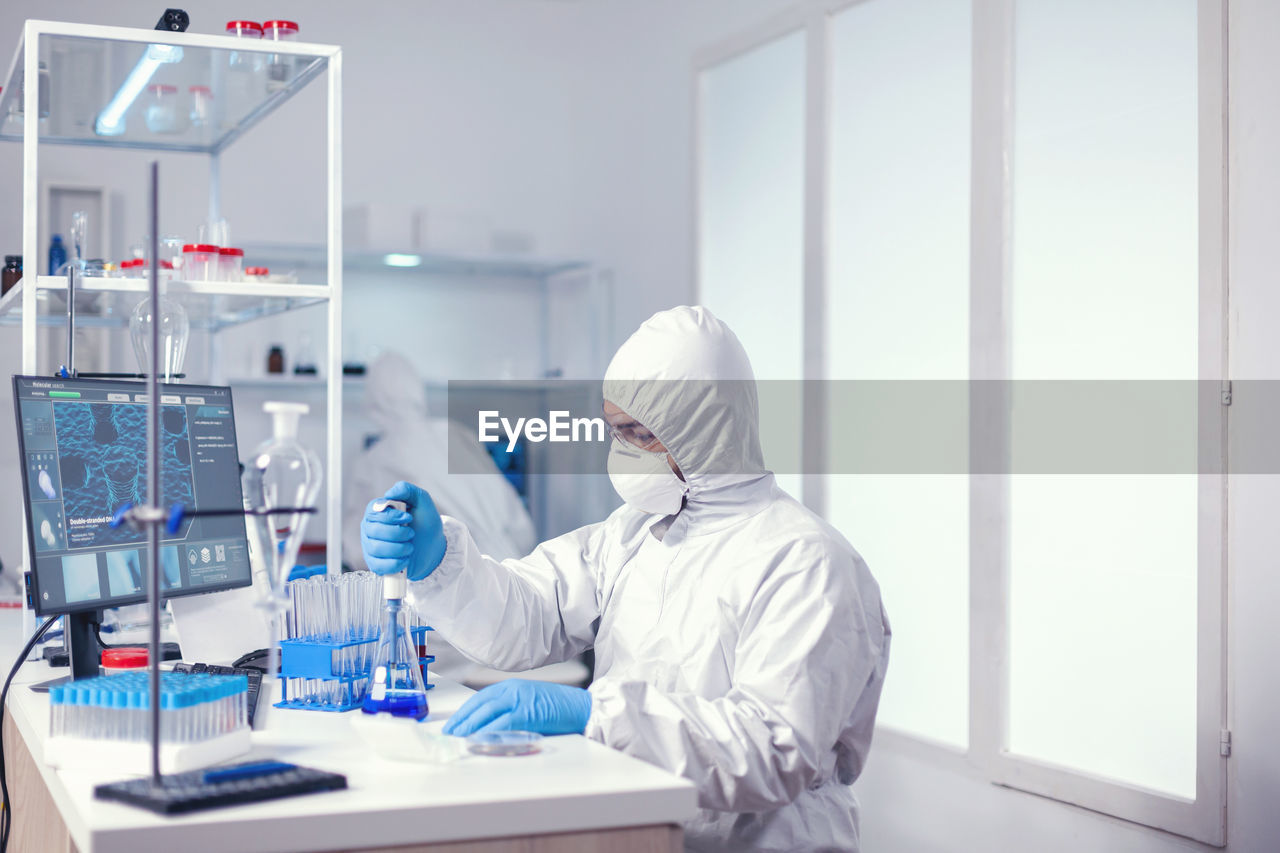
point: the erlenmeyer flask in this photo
(395, 678)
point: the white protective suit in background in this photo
(462, 479)
(740, 643)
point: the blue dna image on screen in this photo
(103, 452)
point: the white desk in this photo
(575, 796)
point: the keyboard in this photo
(254, 676)
(228, 785)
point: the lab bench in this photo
(576, 795)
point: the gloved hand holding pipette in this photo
(394, 541)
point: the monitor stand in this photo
(84, 652)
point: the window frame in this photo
(987, 756)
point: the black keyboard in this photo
(254, 676)
(228, 785)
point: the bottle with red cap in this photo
(280, 66)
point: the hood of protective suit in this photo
(685, 375)
(394, 392)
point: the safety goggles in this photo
(634, 435)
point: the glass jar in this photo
(275, 360)
(201, 106)
(162, 109)
(171, 255)
(279, 65)
(200, 262)
(12, 272)
(229, 262)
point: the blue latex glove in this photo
(526, 706)
(395, 541)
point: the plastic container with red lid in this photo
(280, 66)
(244, 29)
(124, 659)
(245, 62)
(200, 262)
(230, 260)
(256, 274)
(201, 105)
(279, 30)
(162, 109)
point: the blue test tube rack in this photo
(315, 660)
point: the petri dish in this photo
(505, 743)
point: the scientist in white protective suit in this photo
(740, 641)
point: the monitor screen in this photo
(84, 454)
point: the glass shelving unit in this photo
(83, 68)
(288, 256)
(93, 88)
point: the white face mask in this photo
(644, 480)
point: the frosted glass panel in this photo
(1104, 265)
(751, 226)
(898, 299)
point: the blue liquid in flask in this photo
(406, 704)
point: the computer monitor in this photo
(83, 444)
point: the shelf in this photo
(356, 383)
(210, 305)
(89, 65)
(291, 256)
(290, 381)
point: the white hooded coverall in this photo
(740, 643)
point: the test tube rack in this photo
(311, 659)
(104, 722)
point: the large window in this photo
(751, 225)
(1008, 194)
(898, 310)
(1104, 286)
